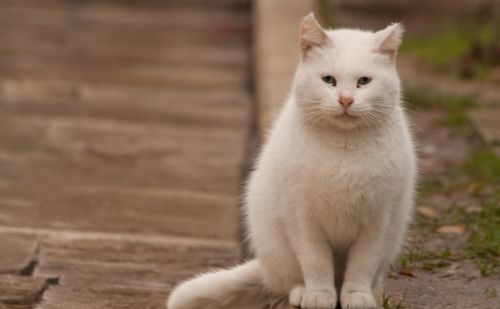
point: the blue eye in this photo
(363, 81)
(329, 80)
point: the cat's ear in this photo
(311, 34)
(387, 40)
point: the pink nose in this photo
(345, 101)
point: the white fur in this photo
(331, 197)
(222, 289)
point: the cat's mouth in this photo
(346, 114)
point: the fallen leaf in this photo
(427, 212)
(406, 272)
(451, 229)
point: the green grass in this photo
(455, 118)
(455, 106)
(426, 187)
(325, 8)
(439, 49)
(426, 98)
(456, 49)
(483, 245)
(425, 259)
(484, 166)
(490, 293)
(388, 303)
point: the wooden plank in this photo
(47, 176)
(139, 17)
(101, 274)
(20, 292)
(60, 40)
(70, 33)
(151, 4)
(30, 89)
(223, 109)
(122, 127)
(125, 210)
(194, 55)
(114, 73)
(81, 140)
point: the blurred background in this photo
(127, 129)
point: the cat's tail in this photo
(237, 287)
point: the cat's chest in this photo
(342, 166)
(342, 177)
(344, 181)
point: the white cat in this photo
(332, 195)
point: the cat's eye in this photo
(329, 80)
(363, 81)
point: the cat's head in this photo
(347, 78)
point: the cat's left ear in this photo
(387, 41)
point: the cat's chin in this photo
(346, 121)
(340, 122)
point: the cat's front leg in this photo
(365, 257)
(316, 261)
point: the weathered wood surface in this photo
(20, 292)
(18, 253)
(122, 134)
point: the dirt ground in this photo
(436, 272)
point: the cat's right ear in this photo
(311, 35)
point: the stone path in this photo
(122, 133)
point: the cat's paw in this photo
(295, 296)
(318, 299)
(358, 300)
